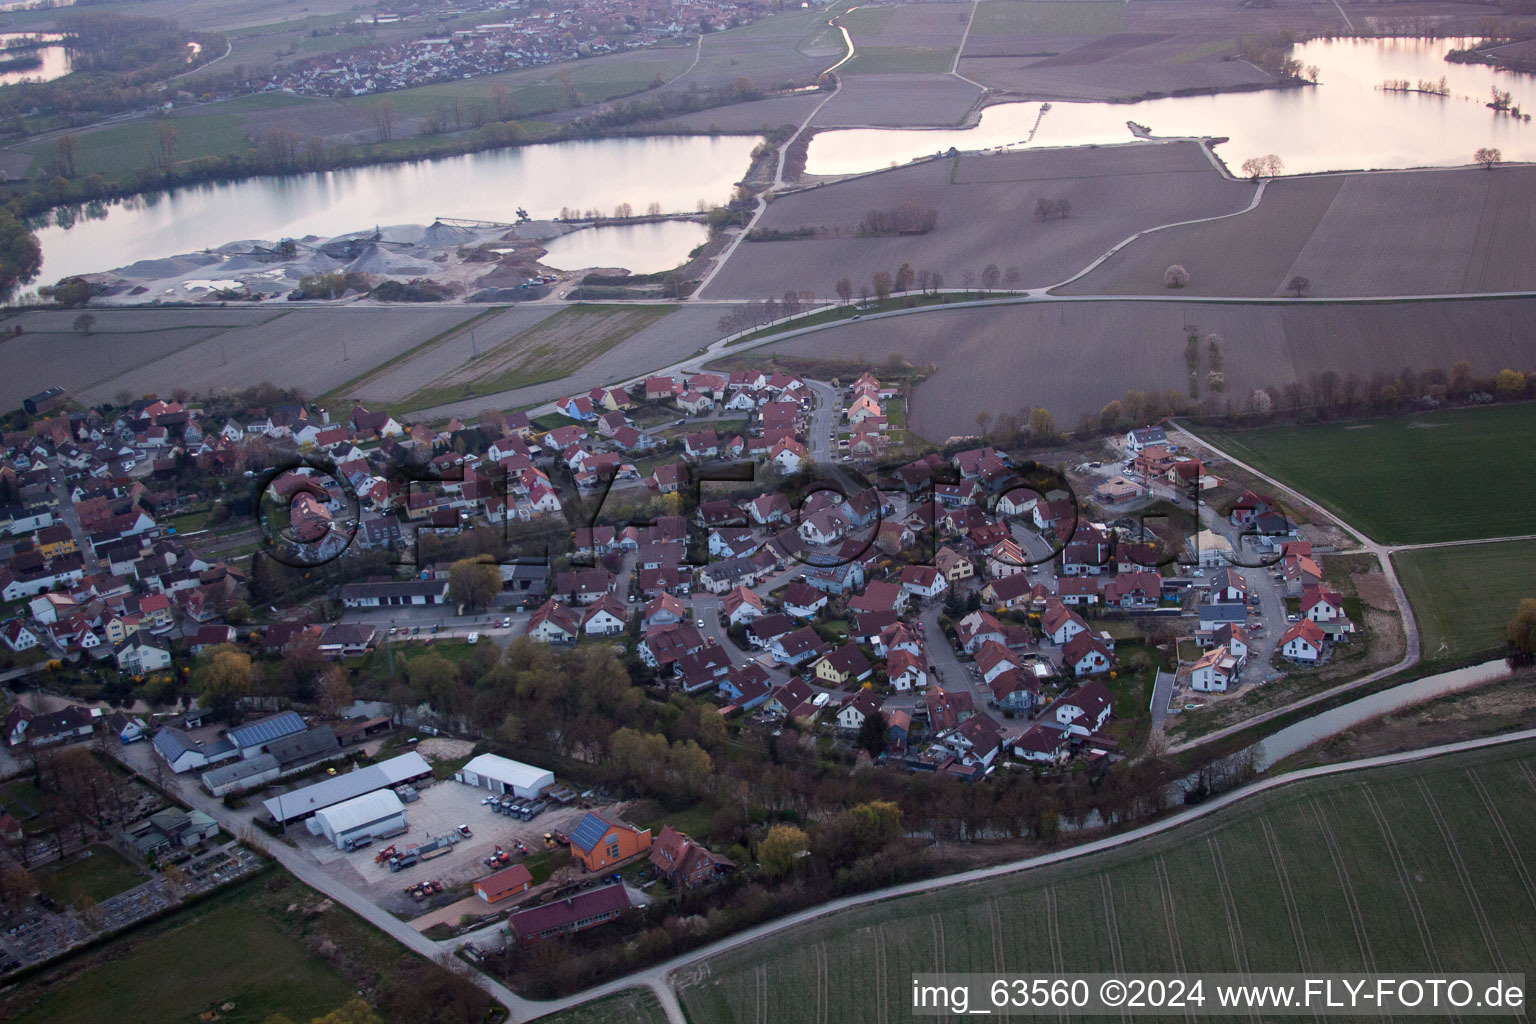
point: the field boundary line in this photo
(1463, 875)
(1170, 912)
(1398, 865)
(995, 927)
(882, 978)
(1351, 900)
(1229, 905)
(1112, 925)
(1508, 840)
(1287, 896)
(1529, 778)
(1253, 204)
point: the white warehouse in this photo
(379, 813)
(504, 775)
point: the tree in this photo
(1510, 383)
(16, 888)
(63, 161)
(474, 581)
(1488, 156)
(1267, 166)
(905, 276)
(990, 276)
(780, 849)
(84, 322)
(167, 135)
(1176, 276)
(1041, 423)
(882, 284)
(335, 690)
(383, 114)
(1012, 278)
(20, 254)
(1298, 285)
(844, 289)
(353, 1011)
(872, 733)
(1521, 632)
(223, 676)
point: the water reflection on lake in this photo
(1346, 122)
(676, 173)
(638, 248)
(54, 58)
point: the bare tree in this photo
(990, 275)
(383, 114)
(1012, 278)
(1298, 285)
(882, 284)
(1488, 156)
(84, 322)
(844, 289)
(1176, 276)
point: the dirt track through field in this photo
(1521, 871)
(1403, 879)
(1351, 901)
(1288, 895)
(1463, 875)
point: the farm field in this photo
(1415, 867)
(906, 39)
(300, 348)
(787, 49)
(1463, 596)
(747, 118)
(985, 206)
(1073, 357)
(1470, 231)
(665, 341)
(898, 101)
(448, 352)
(1452, 475)
(50, 351)
(547, 349)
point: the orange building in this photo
(599, 843)
(506, 882)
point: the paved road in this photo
(61, 493)
(1411, 653)
(661, 978)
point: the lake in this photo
(675, 172)
(1344, 123)
(639, 248)
(55, 59)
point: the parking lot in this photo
(443, 807)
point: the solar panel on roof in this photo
(590, 832)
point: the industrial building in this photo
(301, 803)
(504, 775)
(379, 813)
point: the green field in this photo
(1463, 596)
(1453, 475)
(1048, 17)
(104, 873)
(637, 1005)
(218, 953)
(1416, 867)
